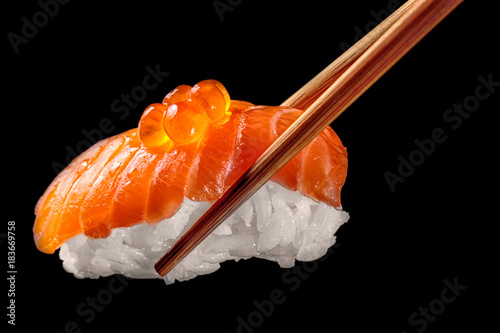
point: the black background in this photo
(398, 246)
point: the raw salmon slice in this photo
(119, 182)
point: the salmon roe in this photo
(213, 98)
(184, 123)
(151, 131)
(179, 94)
(184, 114)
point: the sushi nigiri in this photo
(120, 205)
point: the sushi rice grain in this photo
(275, 224)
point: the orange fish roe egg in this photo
(185, 122)
(224, 93)
(179, 94)
(213, 98)
(151, 131)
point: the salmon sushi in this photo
(123, 203)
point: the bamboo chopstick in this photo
(410, 26)
(311, 91)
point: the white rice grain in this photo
(274, 224)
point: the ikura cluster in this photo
(184, 115)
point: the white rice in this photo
(275, 224)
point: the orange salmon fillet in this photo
(119, 182)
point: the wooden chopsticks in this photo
(312, 90)
(326, 97)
